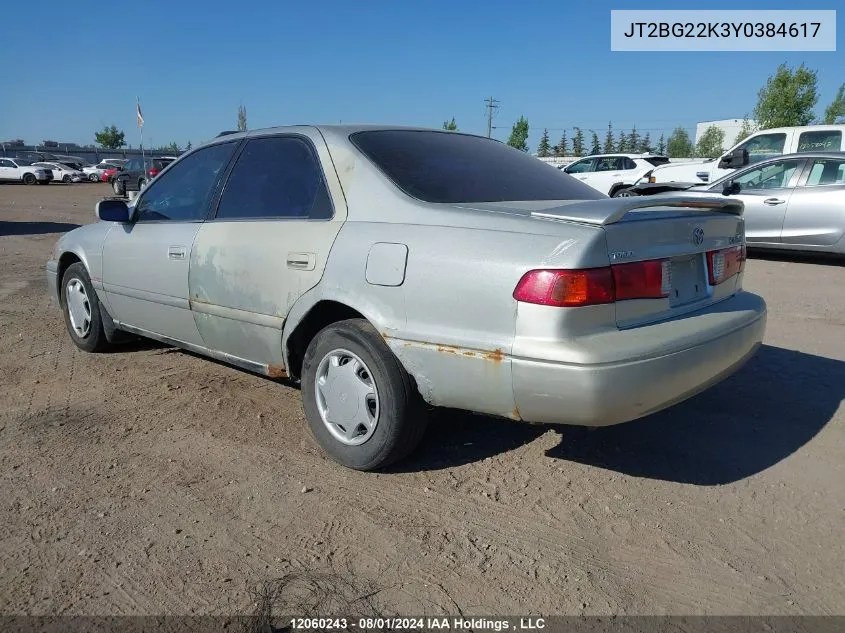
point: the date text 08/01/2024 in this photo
(418, 624)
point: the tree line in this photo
(787, 99)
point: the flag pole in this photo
(141, 131)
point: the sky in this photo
(192, 63)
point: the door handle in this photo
(176, 252)
(302, 261)
(772, 202)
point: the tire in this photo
(397, 416)
(623, 192)
(81, 310)
(29, 179)
(119, 187)
(43, 182)
(93, 177)
(141, 183)
(65, 178)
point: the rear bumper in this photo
(52, 283)
(602, 394)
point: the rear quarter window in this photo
(449, 167)
(823, 141)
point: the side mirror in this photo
(112, 210)
(730, 188)
(737, 158)
(565, 170)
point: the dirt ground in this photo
(153, 481)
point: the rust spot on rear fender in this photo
(277, 371)
(496, 355)
(515, 413)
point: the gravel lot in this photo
(153, 481)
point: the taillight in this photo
(566, 288)
(724, 264)
(594, 286)
(152, 172)
(642, 280)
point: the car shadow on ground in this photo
(768, 410)
(820, 259)
(35, 228)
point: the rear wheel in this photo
(623, 192)
(29, 179)
(141, 183)
(360, 403)
(82, 310)
(44, 182)
(93, 177)
(119, 187)
(66, 178)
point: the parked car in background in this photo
(23, 170)
(109, 173)
(758, 147)
(95, 172)
(431, 272)
(117, 162)
(63, 173)
(137, 172)
(612, 174)
(793, 202)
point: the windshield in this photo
(456, 168)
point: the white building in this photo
(730, 127)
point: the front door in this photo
(279, 213)
(814, 216)
(146, 262)
(766, 192)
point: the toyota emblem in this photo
(697, 236)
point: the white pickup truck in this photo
(759, 146)
(22, 170)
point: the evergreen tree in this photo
(634, 140)
(609, 146)
(645, 144)
(622, 144)
(661, 145)
(519, 135)
(544, 148)
(563, 146)
(596, 148)
(578, 142)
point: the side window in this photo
(580, 167)
(183, 193)
(130, 165)
(627, 163)
(6, 163)
(829, 141)
(276, 177)
(607, 164)
(773, 176)
(827, 171)
(764, 146)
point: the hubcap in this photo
(347, 398)
(78, 307)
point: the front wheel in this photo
(29, 179)
(623, 193)
(82, 310)
(360, 403)
(94, 178)
(119, 187)
(66, 178)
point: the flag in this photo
(139, 116)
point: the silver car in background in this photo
(384, 268)
(794, 202)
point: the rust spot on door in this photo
(277, 371)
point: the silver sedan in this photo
(794, 202)
(385, 268)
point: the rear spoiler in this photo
(612, 210)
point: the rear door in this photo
(815, 215)
(766, 192)
(277, 217)
(608, 171)
(8, 170)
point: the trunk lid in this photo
(679, 231)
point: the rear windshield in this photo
(657, 160)
(452, 168)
